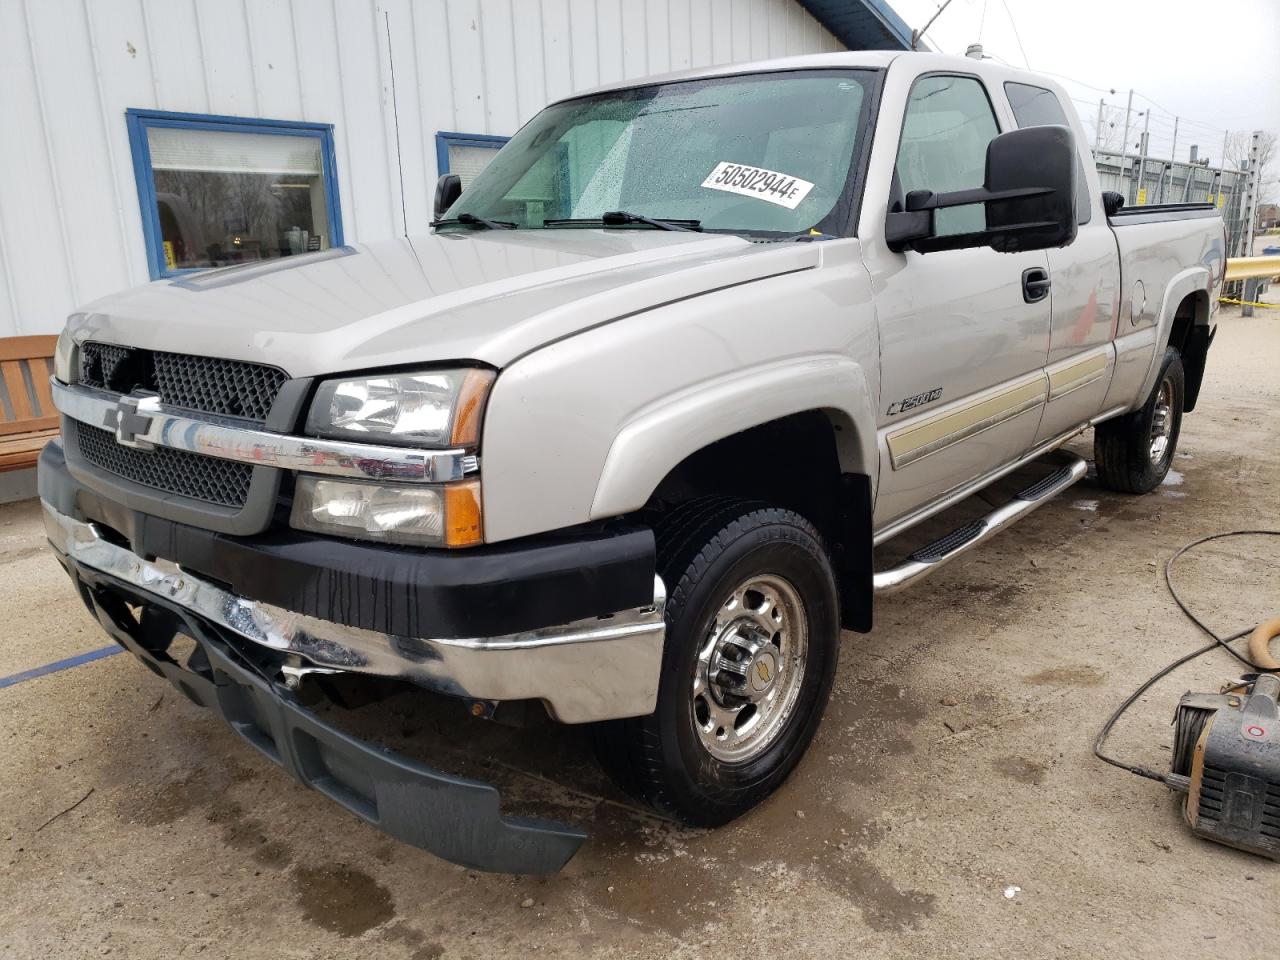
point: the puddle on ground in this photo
(205, 789)
(247, 834)
(342, 899)
(1172, 479)
(1089, 505)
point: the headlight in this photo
(445, 515)
(434, 408)
(62, 356)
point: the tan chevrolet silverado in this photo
(618, 435)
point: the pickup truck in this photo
(618, 437)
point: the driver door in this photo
(962, 348)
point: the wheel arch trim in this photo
(663, 434)
(1184, 284)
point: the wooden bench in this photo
(28, 419)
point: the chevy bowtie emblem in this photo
(762, 670)
(131, 419)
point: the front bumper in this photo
(454, 818)
(392, 612)
(598, 669)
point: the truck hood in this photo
(490, 297)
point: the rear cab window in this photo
(1039, 107)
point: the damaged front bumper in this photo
(601, 668)
(454, 818)
(247, 649)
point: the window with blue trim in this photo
(221, 190)
(465, 154)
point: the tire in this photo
(1125, 449)
(680, 758)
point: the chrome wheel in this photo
(750, 668)
(1161, 423)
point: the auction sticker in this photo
(780, 188)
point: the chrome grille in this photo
(229, 388)
(190, 475)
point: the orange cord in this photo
(1259, 644)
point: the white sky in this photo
(1215, 64)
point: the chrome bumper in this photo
(230, 439)
(598, 669)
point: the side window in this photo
(1038, 107)
(945, 132)
(583, 170)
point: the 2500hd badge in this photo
(919, 400)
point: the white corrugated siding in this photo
(70, 226)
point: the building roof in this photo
(862, 24)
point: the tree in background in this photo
(1238, 146)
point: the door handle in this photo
(1035, 284)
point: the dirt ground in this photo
(950, 805)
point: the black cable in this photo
(1173, 591)
(1223, 642)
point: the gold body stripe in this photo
(919, 440)
(1076, 375)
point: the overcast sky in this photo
(1215, 64)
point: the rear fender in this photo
(1195, 279)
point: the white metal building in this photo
(140, 138)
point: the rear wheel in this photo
(752, 642)
(1133, 452)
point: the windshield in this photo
(768, 154)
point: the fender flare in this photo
(661, 435)
(1192, 280)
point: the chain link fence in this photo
(1147, 180)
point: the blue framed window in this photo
(221, 190)
(465, 154)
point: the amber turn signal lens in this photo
(470, 407)
(463, 523)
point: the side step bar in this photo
(934, 556)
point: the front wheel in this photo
(1133, 452)
(752, 643)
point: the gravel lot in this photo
(951, 804)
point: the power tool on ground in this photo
(1226, 745)
(1226, 755)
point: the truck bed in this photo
(1159, 212)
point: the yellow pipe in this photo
(1241, 268)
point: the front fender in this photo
(664, 433)
(587, 426)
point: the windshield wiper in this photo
(471, 220)
(621, 218)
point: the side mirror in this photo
(1029, 194)
(448, 189)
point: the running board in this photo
(937, 554)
